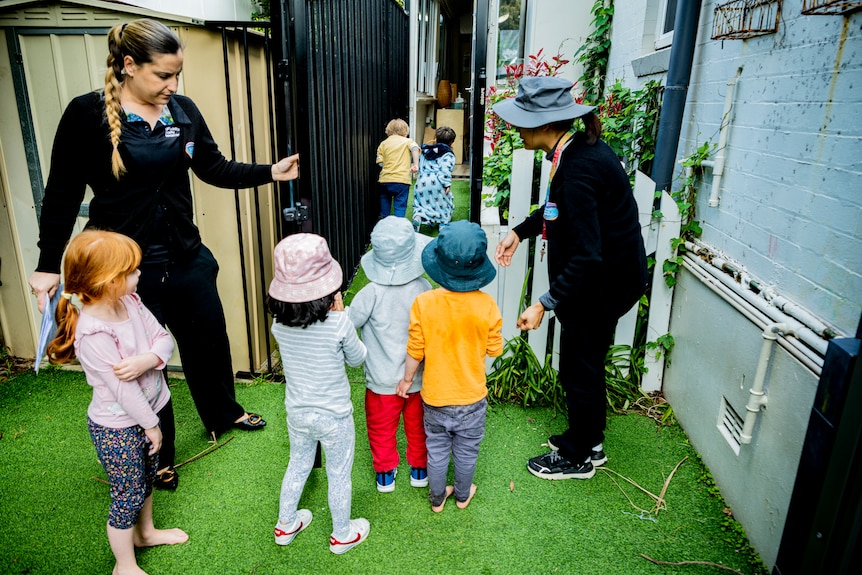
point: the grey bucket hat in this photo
(457, 259)
(396, 252)
(541, 100)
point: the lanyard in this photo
(551, 212)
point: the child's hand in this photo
(338, 303)
(402, 388)
(131, 368)
(154, 434)
(414, 168)
(447, 190)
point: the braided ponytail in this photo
(113, 77)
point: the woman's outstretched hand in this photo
(506, 249)
(286, 169)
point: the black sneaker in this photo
(597, 457)
(553, 466)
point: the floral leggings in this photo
(337, 437)
(131, 470)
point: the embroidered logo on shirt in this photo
(190, 149)
(172, 131)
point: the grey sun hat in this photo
(457, 259)
(396, 252)
(541, 100)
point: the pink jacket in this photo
(100, 344)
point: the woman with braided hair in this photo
(133, 144)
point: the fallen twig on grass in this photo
(710, 563)
(660, 504)
(206, 451)
(659, 499)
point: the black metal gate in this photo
(342, 75)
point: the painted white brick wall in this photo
(791, 208)
(629, 24)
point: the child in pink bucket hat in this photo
(315, 338)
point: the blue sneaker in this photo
(386, 480)
(418, 477)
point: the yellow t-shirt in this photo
(453, 332)
(395, 155)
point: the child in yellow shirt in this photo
(398, 158)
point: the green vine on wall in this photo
(685, 198)
(594, 52)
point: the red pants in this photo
(382, 414)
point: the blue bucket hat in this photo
(457, 259)
(541, 100)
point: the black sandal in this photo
(251, 423)
(168, 479)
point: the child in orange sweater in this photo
(454, 392)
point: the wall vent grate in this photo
(730, 425)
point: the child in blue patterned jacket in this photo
(432, 196)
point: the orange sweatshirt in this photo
(453, 332)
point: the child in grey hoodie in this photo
(381, 310)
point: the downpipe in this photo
(757, 398)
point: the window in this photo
(510, 35)
(664, 29)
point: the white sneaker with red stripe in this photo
(359, 529)
(285, 536)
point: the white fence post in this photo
(644, 194)
(661, 295)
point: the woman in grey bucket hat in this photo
(596, 262)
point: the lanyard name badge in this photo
(551, 212)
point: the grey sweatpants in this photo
(337, 437)
(455, 430)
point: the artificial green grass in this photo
(53, 509)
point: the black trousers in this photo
(184, 298)
(584, 345)
(168, 452)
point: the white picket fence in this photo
(507, 286)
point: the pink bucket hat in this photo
(304, 269)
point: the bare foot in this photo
(464, 504)
(131, 570)
(446, 494)
(161, 537)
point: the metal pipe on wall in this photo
(802, 354)
(675, 92)
(718, 167)
(757, 397)
(814, 333)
